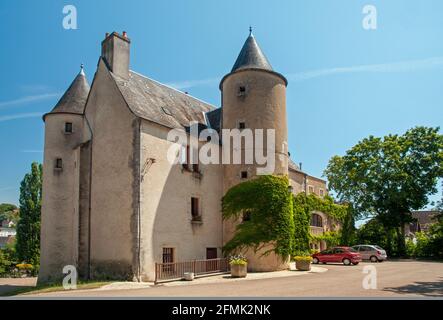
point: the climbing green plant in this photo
(303, 207)
(269, 205)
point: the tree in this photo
(8, 212)
(348, 229)
(28, 228)
(389, 177)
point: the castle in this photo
(113, 205)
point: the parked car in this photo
(371, 252)
(345, 255)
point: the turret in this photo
(254, 97)
(61, 186)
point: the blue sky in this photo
(345, 82)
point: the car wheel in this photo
(374, 259)
(315, 261)
(346, 261)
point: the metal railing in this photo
(176, 270)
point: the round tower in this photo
(254, 97)
(61, 181)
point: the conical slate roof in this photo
(251, 56)
(74, 99)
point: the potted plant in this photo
(239, 266)
(302, 261)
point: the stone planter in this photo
(303, 265)
(239, 270)
(189, 276)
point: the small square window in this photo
(241, 125)
(241, 91)
(68, 127)
(244, 174)
(58, 163)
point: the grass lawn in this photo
(45, 288)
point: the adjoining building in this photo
(113, 205)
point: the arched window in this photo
(316, 220)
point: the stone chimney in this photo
(115, 52)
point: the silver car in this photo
(371, 252)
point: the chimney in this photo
(115, 52)
(300, 165)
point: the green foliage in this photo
(304, 205)
(348, 229)
(389, 177)
(7, 260)
(8, 212)
(28, 228)
(373, 232)
(332, 238)
(269, 204)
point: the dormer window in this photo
(68, 127)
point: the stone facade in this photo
(113, 205)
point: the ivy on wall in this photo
(276, 217)
(268, 203)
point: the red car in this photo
(345, 255)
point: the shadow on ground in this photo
(427, 289)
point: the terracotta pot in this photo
(303, 265)
(239, 270)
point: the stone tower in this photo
(61, 181)
(254, 97)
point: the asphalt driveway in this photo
(404, 278)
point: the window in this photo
(241, 91)
(195, 209)
(68, 127)
(241, 125)
(168, 255)
(58, 163)
(246, 215)
(322, 192)
(316, 220)
(187, 158)
(211, 253)
(311, 189)
(244, 174)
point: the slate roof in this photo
(151, 100)
(214, 119)
(251, 56)
(74, 99)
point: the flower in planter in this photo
(238, 260)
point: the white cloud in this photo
(20, 116)
(31, 151)
(28, 99)
(402, 66)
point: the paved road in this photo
(394, 279)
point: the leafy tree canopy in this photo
(389, 177)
